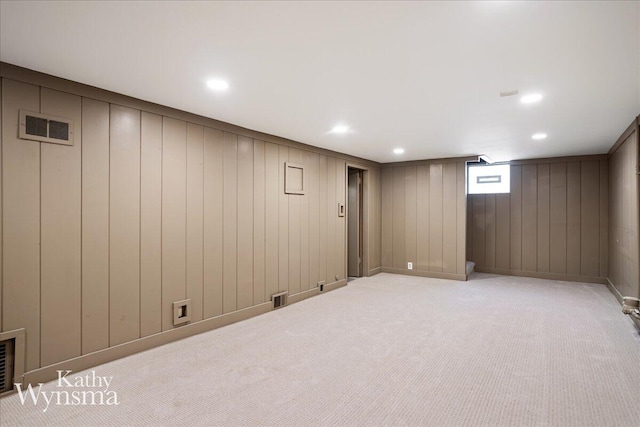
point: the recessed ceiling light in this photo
(539, 136)
(340, 129)
(531, 98)
(218, 85)
(398, 150)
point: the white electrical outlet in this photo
(410, 265)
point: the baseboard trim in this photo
(612, 288)
(421, 273)
(335, 285)
(375, 271)
(303, 295)
(543, 275)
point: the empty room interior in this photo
(319, 213)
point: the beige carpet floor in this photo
(388, 350)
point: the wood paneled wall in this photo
(624, 216)
(145, 209)
(423, 219)
(554, 223)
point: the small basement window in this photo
(488, 179)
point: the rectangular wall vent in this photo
(6, 365)
(45, 128)
(279, 300)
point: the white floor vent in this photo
(279, 300)
(6, 365)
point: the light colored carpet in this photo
(388, 350)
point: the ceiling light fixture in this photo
(398, 150)
(531, 98)
(218, 85)
(340, 129)
(539, 136)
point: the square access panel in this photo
(293, 178)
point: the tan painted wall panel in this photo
(590, 214)
(60, 233)
(375, 212)
(150, 224)
(461, 214)
(304, 224)
(529, 217)
(477, 202)
(245, 222)
(174, 216)
(283, 224)
(543, 217)
(95, 225)
(324, 219)
(21, 219)
(272, 220)
(213, 221)
(490, 230)
(604, 218)
(399, 218)
(195, 220)
(230, 224)
(314, 219)
(435, 217)
(503, 231)
(259, 210)
(1, 276)
(449, 218)
(341, 226)
(422, 221)
(411, 215)
(295, 257)
(573, 218)
(124, 229)
(386, 211)
(332, 219)
(515, 198)
(558, 218)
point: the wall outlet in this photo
(181, 312)
(410, 265)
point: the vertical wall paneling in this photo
(543, 218)
(283, 217)
(1, 278)
(60, 233)
(422, 220)
(387, 216)
(295, 257)
(503, 231)
(515, 198)
(332, 220)
(449, 218)
(479, 227)
(490, 230)
(174, 216)
(230, 224)
(304, 224)
(314, 219)
(195, 219)
(245, 222)
(558, 218)
(341, 229)
(573, 218)
(410, 208)
(322, 222)
(461, 214)
(529, 217)
(272, 202)
(259, 238)
(21, 219)
(95, 225)
(435, 217)
(213, 221)
(604, 218)
(150, 224)
(399, 218)
(590, 218)
(124, 225)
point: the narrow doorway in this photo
(355, 223)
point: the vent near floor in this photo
(279, 300)
(6, 365)
(45, 128)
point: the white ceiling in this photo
(423, 76)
